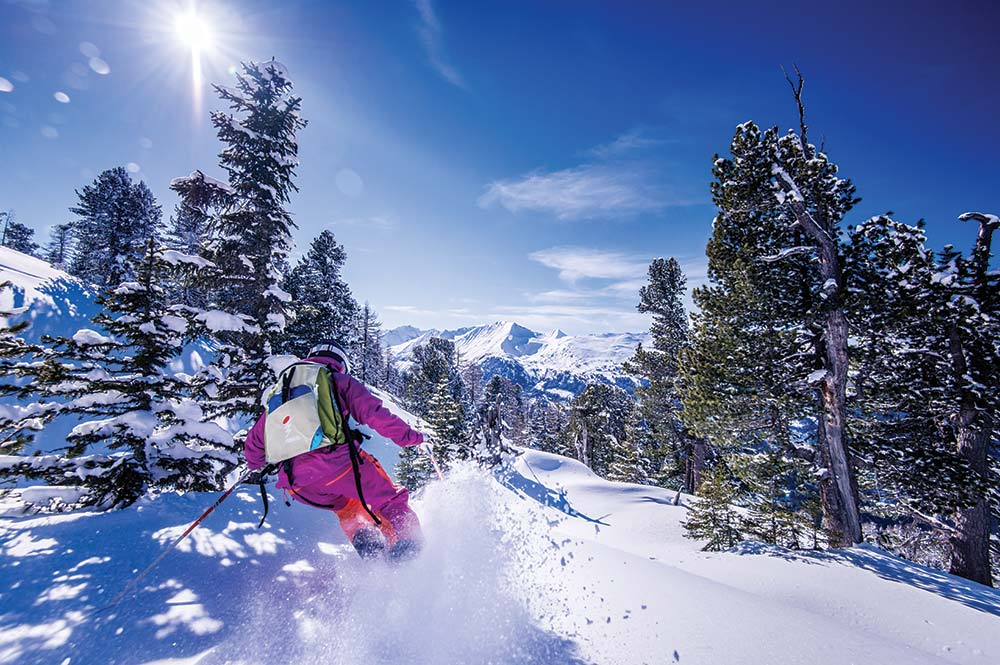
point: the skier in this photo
(373, 512)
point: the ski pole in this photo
(135, 580)
(435, 463)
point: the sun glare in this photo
(193, 31)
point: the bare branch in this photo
(797, 94)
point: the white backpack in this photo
(302, 413)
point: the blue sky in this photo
(510, 160)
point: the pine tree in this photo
(434, 361)
(414, 469)
(446, 419)
(368, 349)
(116, 381)
(392, 380)
(597, 420)
(250, 236)
(778, 301)
(777, 489)
(321, 302)
(714, 517)
(546, 423)
(681, 452)
(16, 235)
(626, 458)
(15, 427)
(59, 248)
(499, 423)
(115, 220)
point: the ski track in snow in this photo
(543, 564)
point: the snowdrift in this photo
(542, 563)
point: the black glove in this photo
(257, 476)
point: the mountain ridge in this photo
(554, 364)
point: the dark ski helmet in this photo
(329, 348)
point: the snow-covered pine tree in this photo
(714, 516)
(499, 423)
(250, 238)
(187, 234)
(777, 245)
(392, 380)
(432, 360)
(971, 313)
(547, 420)
(138, 427)
(15, 428)
(472, 375)
(414, 469)
(912, 468)
(597, 420)
(368, 348)
(322, 306)
(626, 457)
(115, 219)
(681, 452)
(446, 418)
(16, 235)
(59, 247)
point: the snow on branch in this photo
(785, 253)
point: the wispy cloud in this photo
(582, 192)
(630, 142)
(618, 180)
(432, 37)
(576, 263)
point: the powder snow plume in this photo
(476, 594)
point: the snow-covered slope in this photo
(52, 300)
(554, 363)
(544, 564)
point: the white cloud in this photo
(582, 192)
(432, 37)
(631, 141)
(576, 263)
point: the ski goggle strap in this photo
(328, 350)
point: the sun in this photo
(193, 31)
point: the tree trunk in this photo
(840, 505)
(970, 545)
(694, 464)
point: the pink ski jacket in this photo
(327, 463)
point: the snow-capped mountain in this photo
(553, 363)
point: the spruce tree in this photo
(368, 348)
(59, 248)
(115, 219)
(321, 304)
(680, 451)
(250, 238)
(597, 420)
(116, 381)
(714, 517)
(446, 419)
(17, 236)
